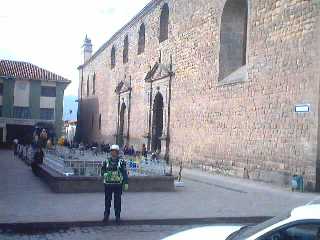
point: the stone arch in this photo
(233, 37)
(164, 23)
(122, 123)
(113, 57)
(157, 122)
(126, 49)
(142, 39)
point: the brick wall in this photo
(230, 127)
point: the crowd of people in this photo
(39, 141)
(105, 148)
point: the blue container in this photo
(297, 183)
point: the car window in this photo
(248, 231)
(297, 232)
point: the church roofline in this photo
(150, 6)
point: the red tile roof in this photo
(24, 70)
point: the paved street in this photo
(24, 198)
(144, 232)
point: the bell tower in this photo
(87, 49)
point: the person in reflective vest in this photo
(115, 178)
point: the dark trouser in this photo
(116, 189)
(15, 149)
(34, 168)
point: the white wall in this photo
(70, 132)
(21, 93)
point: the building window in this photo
(100, 122)
(81, 87)
(88, 87)
(1, 89)
(0, 112)
(125, 49)
(164, 23)
(21, 112)
(113, 57)
(94, 84)
(233, 37)
(92, 120)
(47, 113)
(142, 39)
(48, 91)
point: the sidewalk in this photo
(24, 198)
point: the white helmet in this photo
(115, 147)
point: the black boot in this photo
(118, 219)
(106, 218)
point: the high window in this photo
(88, 86)
(113, 57)
(1, 89)
(233, 37)
(92, 120)
(47, 113)
(125, 49)
(21, 112)
(164, 23)
(48, 91)
(81, 87)
(142, 39)
(94, 84)
(100, 122)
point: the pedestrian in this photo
(115, 178)
(108, 148)
(81, 148)
(131, 151)
(37, 160)
(144, 150)
(125, 150)
(15, 147)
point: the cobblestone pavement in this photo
(24, 198)
(96, 233)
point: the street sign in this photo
(302, 108)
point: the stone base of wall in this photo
(75, 184)
(277, 178)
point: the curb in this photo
(56, 226)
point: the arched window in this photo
(92, 120)
(142, 39)
(88, 86)
(81, 87)
(164, 23)
(233, 37)
(125, 49)
(94, 84)
(113, 57)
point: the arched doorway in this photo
(121, 124)
(157, 122)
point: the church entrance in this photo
(157, 122)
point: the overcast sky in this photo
(50, 33)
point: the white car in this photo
(303, 223)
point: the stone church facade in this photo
(227, 85)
